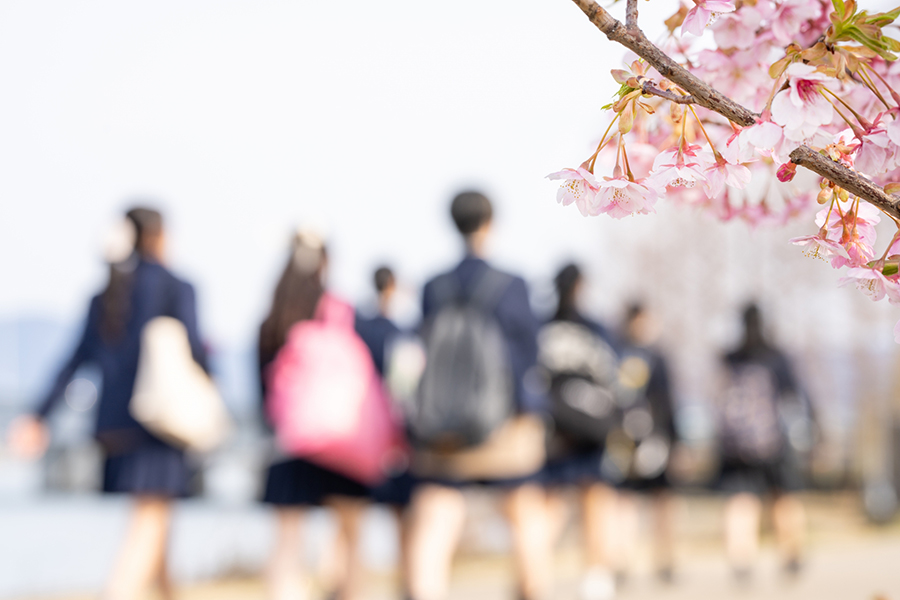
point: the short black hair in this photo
(470, 211)
(384, 278)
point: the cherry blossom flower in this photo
(877, 153)
(737, 29)
(818, 246)
(854, 230)
(620, 197)
(873, 283)
(699, 17)
(802, 109)
(677, 167)
(719, 173)
(580, 186)
(789, 18)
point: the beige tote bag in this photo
(173, 397)
(516, 449)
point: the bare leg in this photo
(790, 528)
(403, 527)
(664, 533)
(349, 513)
(599, 508)
(742, 519)
(437, 516)
(557, 516)
(626, 532)
(284, 575)
(142, 556)
(526, 509)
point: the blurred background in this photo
(244, 120)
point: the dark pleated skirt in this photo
(396, 491)
(774, 477)
(577, 468)
(297, 482)
(152, 468)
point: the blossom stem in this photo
(627, 164)
(866, 79)
(601, 145)
(705, 134)
(893, 92)
(856, 130)
(862, 120)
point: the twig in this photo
(648, 88)
(848, 179)
(633, 39)
(631, 15)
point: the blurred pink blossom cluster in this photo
(817, 73)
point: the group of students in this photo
(578, 408)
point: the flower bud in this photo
(786, 172)
(825, 195)
(843, 194)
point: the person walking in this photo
(580, 354)
(645, 374)
(381, 334)
(294, 484)
(139, 289)
(759, 392)
(474, 422)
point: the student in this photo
(757, 459)
(438, 508)
(575, 460)
(644, 371)
(379, 332)
(295, 484)
(139, 289)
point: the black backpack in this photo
(466, 389)
(583, 371)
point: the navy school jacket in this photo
(155, 292)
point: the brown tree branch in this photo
(648, 88)
(633, 39)
(848, 179)
(631, 15)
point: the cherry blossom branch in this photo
(648, 88)
(848, 179)
(635, 40)
(704, 95)
(631, 15)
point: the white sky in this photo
(248, 118)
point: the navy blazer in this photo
(155, 292)
(517, 322)
(377, 332)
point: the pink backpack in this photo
(327, 401)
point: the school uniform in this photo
(297, 481)
(573, 463)
(136, 461)
(378, 332)
(513, 314)
(780, 472)
(658, 395)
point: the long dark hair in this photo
(297, 293)
(566, 282)
(115, 300)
